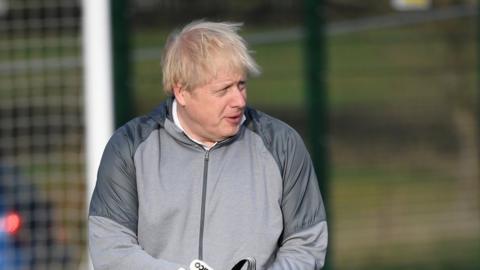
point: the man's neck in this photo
(178, 120)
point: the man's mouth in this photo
(234, 119)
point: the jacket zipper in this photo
(204, 197)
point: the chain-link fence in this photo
(405, 142)
(42, 204)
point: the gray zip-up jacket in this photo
(161, 200)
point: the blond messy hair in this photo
(190, 57)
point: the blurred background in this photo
(393, 102)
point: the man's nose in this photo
(239, 98)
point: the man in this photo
(205, 177)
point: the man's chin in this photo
(230, 133)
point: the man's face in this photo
(214, 111)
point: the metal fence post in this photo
(477, 105)
(121, 64)
(316, 93)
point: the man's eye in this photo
(222, 91)
(241, 85)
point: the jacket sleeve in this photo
(113, 212)
(304, 240)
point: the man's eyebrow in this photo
(223, 85)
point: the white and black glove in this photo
(201, 265)
(198, 265)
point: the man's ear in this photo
(179, 93)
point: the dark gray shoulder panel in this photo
(274, 133)
(302, 203)
(115, 193)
